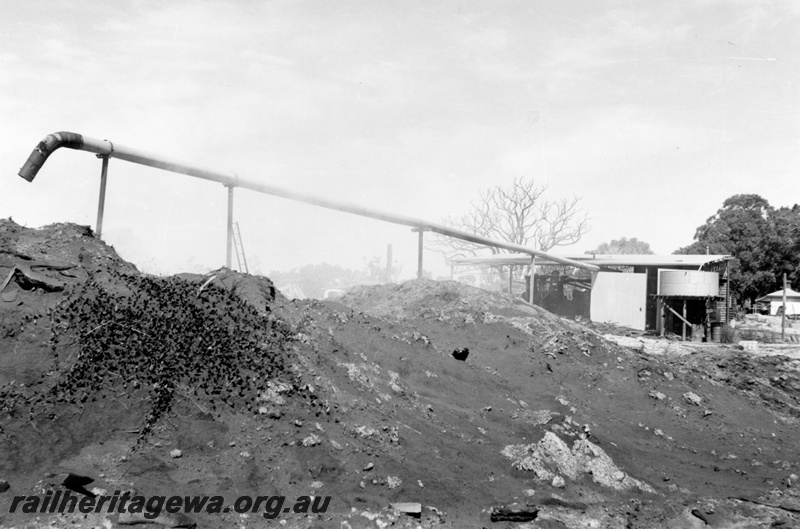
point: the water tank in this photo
(688, 283)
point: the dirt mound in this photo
(445, 300)
(216, 385)
(256, 291)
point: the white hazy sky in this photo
(653, 112)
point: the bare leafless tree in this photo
(520, 213)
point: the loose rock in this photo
(165, 519)
(461, 353)
(692, 398)
(514, 513)
(410, 508)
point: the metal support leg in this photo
(102, 202)
(419, 255)
(683, 324)
(230, 229)
(533, 279)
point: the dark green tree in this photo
(763, 240)
(787, 231)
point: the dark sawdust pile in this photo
(155, 338)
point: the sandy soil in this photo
(106, 373)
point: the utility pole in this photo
(229, 244)
(420, 242)
(102, 201)
(783, 312)
(533, 279)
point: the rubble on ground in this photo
(216, 384)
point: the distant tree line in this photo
(764, 240)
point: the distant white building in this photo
(775, 300)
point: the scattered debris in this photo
(514, 512)
(177, 520)
(73, 482)
(552, 457)
(692, 398)
(393, 482)
(460, 354)
(311, 440)
(751, 346)
(410, 508)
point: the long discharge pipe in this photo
(105, 148)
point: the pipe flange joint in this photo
(110, 150)
(235, 182)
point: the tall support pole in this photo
(229, 249)
(727, 293)
(420, 250)
(783, 312)
(683, 323)
(510, 280)
(533, 279)
(419, 253)
(101, 205)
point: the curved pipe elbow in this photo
(45, 148)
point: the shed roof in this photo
(778, 295)
(694, 260)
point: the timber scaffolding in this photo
(105, 150)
